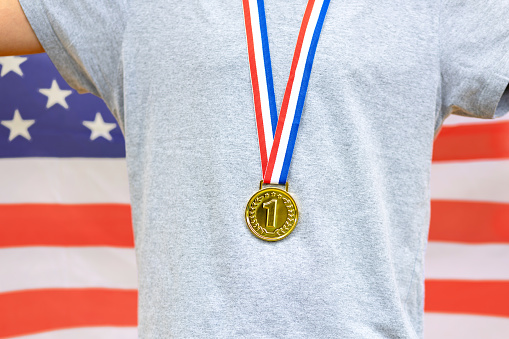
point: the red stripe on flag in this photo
(490, 298)
(469, 142)
(33, 311)
(66, 225)
(469, 222)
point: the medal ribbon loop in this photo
(276, 136)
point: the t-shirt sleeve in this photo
(83, 38)
(474, 57)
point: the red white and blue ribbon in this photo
(276, 136)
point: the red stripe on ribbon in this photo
(66, 225)
(284, 105)
(254, 83)
(490, 298)
(469, 222)
(32, 311)
(470, 142)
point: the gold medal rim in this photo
(262, 191)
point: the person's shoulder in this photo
(474, 49)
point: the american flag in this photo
(67, 263)
(467, 259)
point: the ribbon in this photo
(277, 135)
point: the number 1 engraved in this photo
(271, 206)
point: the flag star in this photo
(11, 64)
(56, 95)
(99, 128)
(18, 126)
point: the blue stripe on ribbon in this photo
(268, 67)
(302, 93)
(289, 151)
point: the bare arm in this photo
(16, 34)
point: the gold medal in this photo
(271, 213)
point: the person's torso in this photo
(352, 268)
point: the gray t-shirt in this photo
(176, 76)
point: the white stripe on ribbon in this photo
(294, 94)
(471, 181)
(463, 326)
(63, 180)
(87, 333)
(466, 261)
(260, 72)
(67, 267)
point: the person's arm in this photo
(16, 34)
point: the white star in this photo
(56, 95)
(18, 126)
(99, 128)
(11, 64)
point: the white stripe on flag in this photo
(67, 267)
(466, 261)
(87, 333)
(462, 326)
(471, 180)
(453, 120)
(63, 180)
(294, 96)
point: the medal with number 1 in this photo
(271, 213)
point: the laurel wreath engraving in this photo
(290, 218)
